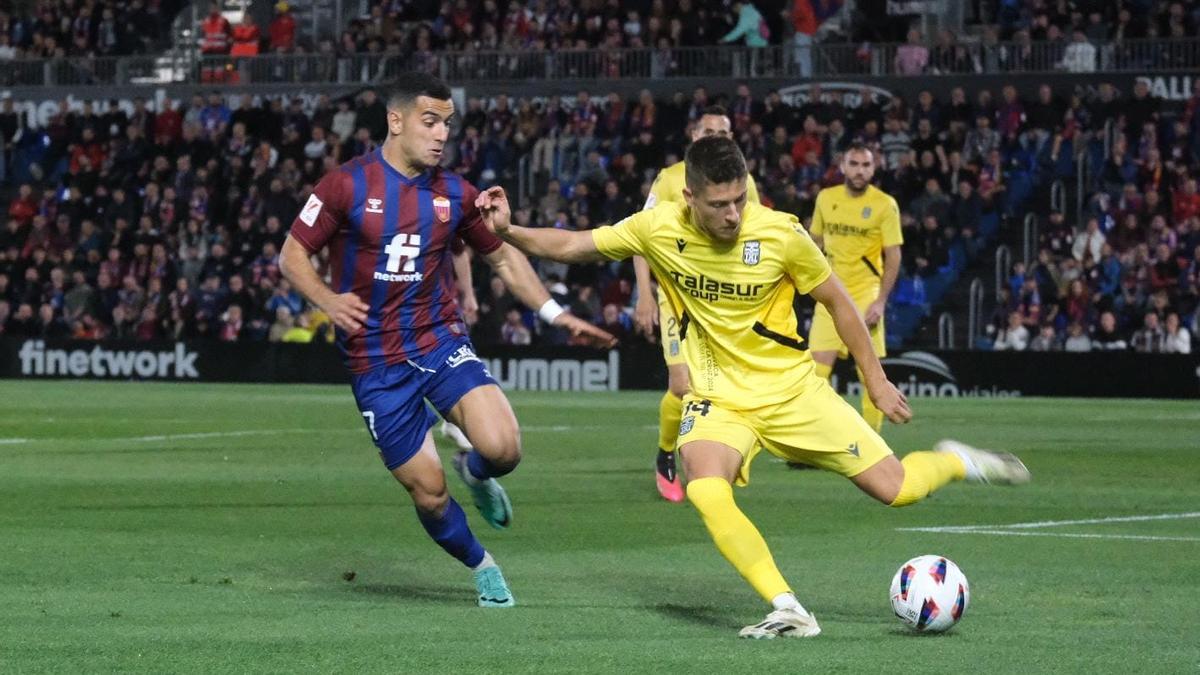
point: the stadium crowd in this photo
(83, 28)
(168, 223)
(1078, 36)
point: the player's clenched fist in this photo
(493, 207)
(347, 311)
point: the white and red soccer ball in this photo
(930, 594)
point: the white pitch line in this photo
(1056, 523)
(206, 434)
(158, 438)
(1066, 535)
(1112, 519)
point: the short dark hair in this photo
(407, 86)
(713, 159)
(715, 110)
(859, 146)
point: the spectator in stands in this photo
(514, 331)
(1080, 55)
(804, 25)
(1107, 337)
(231, 324)
(282, 30)
(1046, 340)
(215, 32)
(1014, 336)
(1077, 340)
(980, 141)
(1176, 338)
(23, 322)
(1150, 337)
(913, 57)
(284, 321)
(1090, 242)
(751, 28)
(612, 318)
(246, 37)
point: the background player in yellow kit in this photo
(654, 309)
(731, 271)
(858, 226)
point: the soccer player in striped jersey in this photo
(389, 219)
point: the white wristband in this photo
(550, 311)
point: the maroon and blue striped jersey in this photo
(390, 242)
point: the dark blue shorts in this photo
(392, 398)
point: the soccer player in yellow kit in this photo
(858, 226)
(730, 271)
(651, 310)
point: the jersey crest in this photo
(751, 252)
(441, 208)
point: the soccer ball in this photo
(930, 593)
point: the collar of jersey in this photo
(420, 179)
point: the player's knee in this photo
(891, 491)
(891, 497)
(883, 482)
(501, 447)
(430, 500)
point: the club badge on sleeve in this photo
(312, 209)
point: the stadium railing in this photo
(683, 62)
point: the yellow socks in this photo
(873, 415)
(670, 411)
(925, 472)
(735, 536)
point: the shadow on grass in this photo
(418, 591)
(701, 616)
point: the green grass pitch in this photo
(198, 528)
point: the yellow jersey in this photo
(668, 187)
(855, 231)
(737, 326)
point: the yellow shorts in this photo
(823, 337)
(816, 427)
(668, 332)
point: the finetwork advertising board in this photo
(943, 374)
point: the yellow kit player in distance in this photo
(858, 226)
(654, 309)
(731, 271)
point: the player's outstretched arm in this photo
(514, 269)
(347, 311)
(853, 331)
(544, 242)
